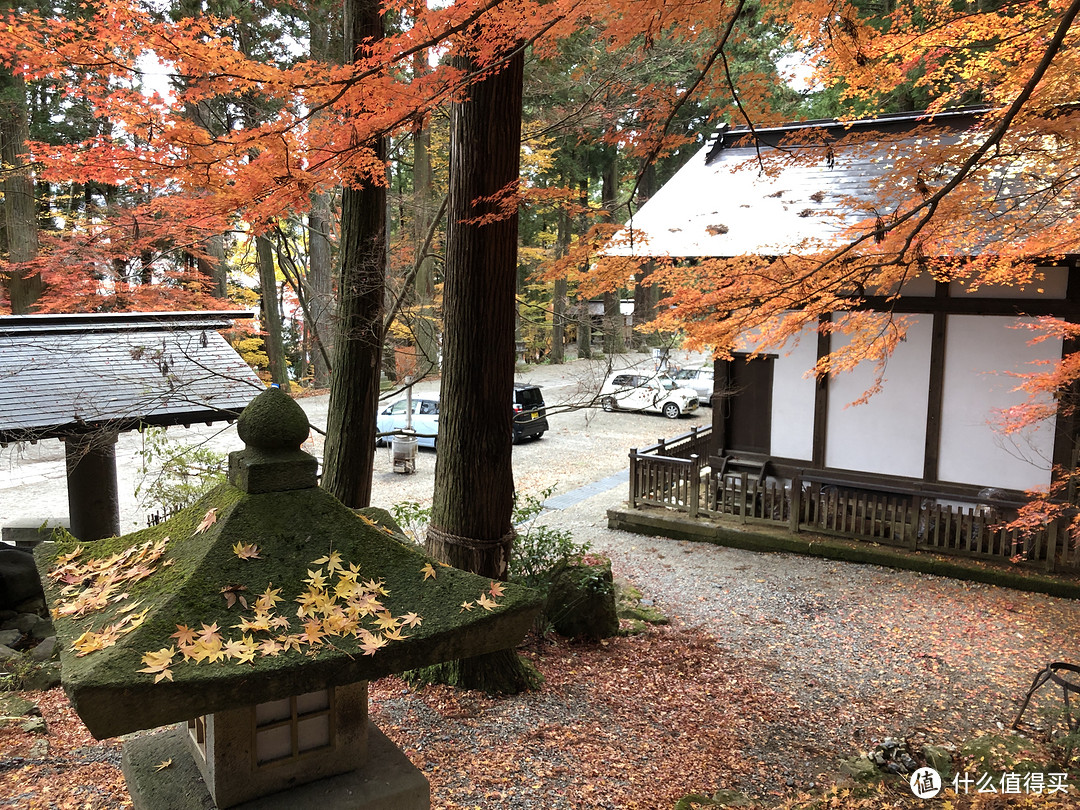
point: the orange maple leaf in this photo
(496, 589)
(208, 520)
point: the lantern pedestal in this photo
(386, 780)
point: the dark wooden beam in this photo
(936, 388)
(821, 393)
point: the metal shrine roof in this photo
(69, 374)
(822, 178)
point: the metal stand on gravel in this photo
(1053, 672)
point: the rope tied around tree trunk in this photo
(439, 536)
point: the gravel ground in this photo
(843, 654)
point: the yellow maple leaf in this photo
(209, 519)
(467, 606)
(486, 603)
(429, 571)
(385, 621)
(87, 643)
(158, 663)
(331, 560)
(411, 620)
(246, 551)
(268, 598)
(165, 763)
(394, 634)
(371, 645)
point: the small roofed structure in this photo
(85, 378)
(255, 617)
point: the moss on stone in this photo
(273, 421)
(291, 530)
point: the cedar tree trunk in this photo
(474, 481)
(354, 383)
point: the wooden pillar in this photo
(93, 506)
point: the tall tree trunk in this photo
(644, 289)
(354, 383)
(319, 331)
(584, 326)
(20, 215)
(270, 313)
(614, 342)
(213, 266)
(425, 327)
(319, 328)
(558, 297)
(474, 480)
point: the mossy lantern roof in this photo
(266, 587)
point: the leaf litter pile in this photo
(756, 686)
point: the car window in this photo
(668, 385)
(427, 407)
(684, 374)
(529, 397)
(624, 381)
(399, 407)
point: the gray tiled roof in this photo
(66, 374)
(797, 188)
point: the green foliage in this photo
(16, 673)
(413, 520)
(175, 475)
(538, 551)
(253, 350)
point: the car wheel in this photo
(539, 435)
(608, 403)
(671, 410)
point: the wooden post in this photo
(633, 478)
(695, 484)
(1051, 546)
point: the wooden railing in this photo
(668, 473)
(672, 474)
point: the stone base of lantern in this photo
(386, 781)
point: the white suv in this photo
(644, 392)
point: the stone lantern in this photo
(253, 620)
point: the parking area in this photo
(583, 445)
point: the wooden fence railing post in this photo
(796, 503)
(633, 478)
(695, 485)
(1051, 546)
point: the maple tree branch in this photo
(420, 258)
(654, 152)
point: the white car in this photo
(632, 391)
(700, 379)
(424, 419)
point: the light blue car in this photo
(424, 419)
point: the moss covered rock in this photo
(581, 600)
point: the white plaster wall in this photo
(793, 398)
(887, 434)
(978, 350)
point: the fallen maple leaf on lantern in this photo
(486, 603)
(246, 551)
(158, 663)
(165, 763)
(208, 520)
(496, 589)
(232, 594)
(428, 571)
(467, 606)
